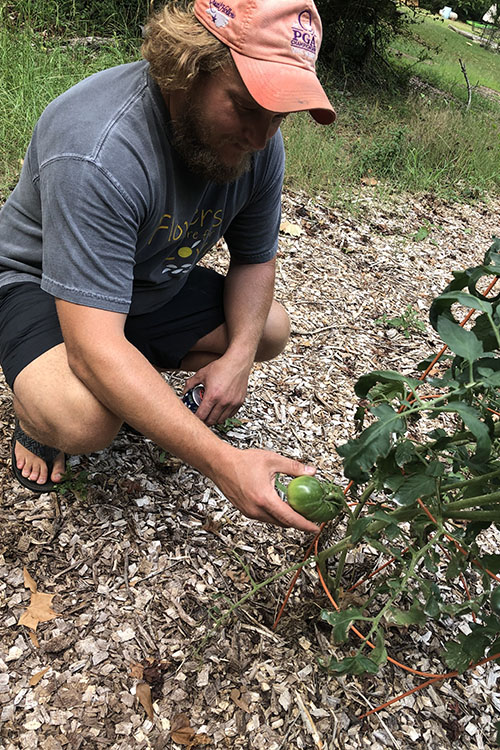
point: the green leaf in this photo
(358, 529)
(455, 657)
(376, 441)
(366, 382)
(341, 621)
(462, 342)
(475, 645)
(414, 487)
(434, 469)
(421, 234)
(379, 653)
(456, 565)
(470, 418)
(491, 562)
(405, 452)
(495, 649)
(353, 665)
(413, 616)
(468, 300)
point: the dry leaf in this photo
(201, 739)
(143, 692)
(183, 733)
(292, 229)
(29, 582)
(35, 678)
(235, 697)
(212, 526)
(237, 576)
(370, 181)
(34, 639)
(137, 671)
(181, 730)
(39, 610)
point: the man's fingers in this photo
(292, 467)
(285, 516)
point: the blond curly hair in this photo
(178, 47)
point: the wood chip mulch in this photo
(141, 556)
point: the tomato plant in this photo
(425, 474)
(495, 600)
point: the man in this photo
(130, 178)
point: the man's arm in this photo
(124, 381)
(248, 294)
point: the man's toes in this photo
(59, 468)
(30, 471)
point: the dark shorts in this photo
(29, 325)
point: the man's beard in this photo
(190, 138)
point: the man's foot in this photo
(37, 467)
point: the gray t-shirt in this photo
(106, 214)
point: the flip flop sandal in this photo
(44, 452)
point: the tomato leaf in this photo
(353, 665)
(366, 382)
(376, 441)
(414, 487)
(470, 418)
(413, 616)
(468, 300)
(462, 342)
(341, 621)
(358, 528)
(455, 657)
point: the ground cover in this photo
(143, 556)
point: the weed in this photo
(228, 425)
(407, 322)
(75, 483)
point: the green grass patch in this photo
(400, 138)
(408, 138)
(433, 52)
(406, 143)
(33, 71)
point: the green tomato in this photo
(495, 600)
(308, 496)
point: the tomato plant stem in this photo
(471, 502)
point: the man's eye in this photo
(245, 108)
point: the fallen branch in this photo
(469, 89)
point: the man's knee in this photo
(276, 333)
(73, 431)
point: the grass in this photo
(403, 143)
(439, 48)
(408, 138)
(399, 138)
(34, 70)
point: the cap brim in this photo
(279, 87)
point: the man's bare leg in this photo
(56, 409)
(214, 344)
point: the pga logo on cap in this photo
(304, 35)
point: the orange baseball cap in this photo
(275, 45)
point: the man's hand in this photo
(250, 487)
(225, 384)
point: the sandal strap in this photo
(45, 452)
